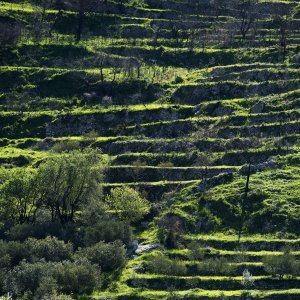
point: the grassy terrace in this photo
(179, 101)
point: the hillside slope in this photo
(194, 103)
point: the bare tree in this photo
(243, 203)
(282, 22)
(247, 13)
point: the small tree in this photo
(195, 251)
(170, 228)
(20, 198)
(247, 14)
(243, 204)
(127, 204)
(281, 265)
(282, 22)
(68, 182)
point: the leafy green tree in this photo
(20, 197)
(127, 204)
(69, 182)
(64, 184)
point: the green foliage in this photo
(62, 184)
(69, 277)
(108, 231)
(124, 87)
(108, 256)
(77, 277)
(127, 204)
(160, 264)
(49, 249)
(66, 146)
(216, 266)
(19, 197)
(196, 253)
(137, 3)
(281, 265)
(73, 182)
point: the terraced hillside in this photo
(188, 101)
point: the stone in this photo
(269, 164)
(138, 269)
(148, 248)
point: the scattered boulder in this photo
(90, 97)
(148, 248)
(138, 269)
(107, 100)
(214, 181)
(269, 164)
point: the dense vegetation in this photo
(149, 149)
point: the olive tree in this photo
(19, 197)
(68, 182)
(127, 204)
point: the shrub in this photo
(25, 277)
(215, 266)
(11, 253)
(108, 231)
(66, 146)
(280, 265)
(108, 256)
(50, 249)
(127, 203)
(69, 277)
(76, 277)
(160, 264)
(21, 232)
(170, 228)
(195, 252)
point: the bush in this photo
(195, 252)
(50, 249)
(281, 265)
(216, 266)
(127, 204)
(68, 277)
(160, 264)
(76, 277)
(66, 146)
(21, 232)
(25, 277)
(108, 231)
(108, 256)
(11, 253)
